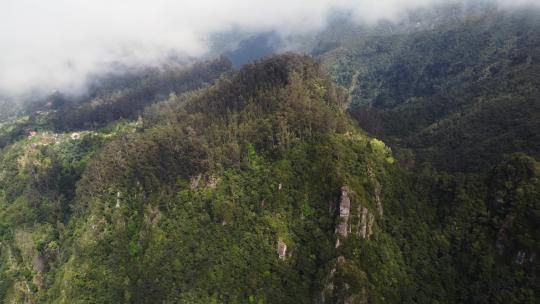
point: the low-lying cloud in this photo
(57, 43)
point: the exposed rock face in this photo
(282, 250)
(361, 221)
(366, 219)
(118, 197)
(203, 182)
(76, 136)
(211, 182)
(378, 200)
(365, 225)
(377, 189)
(343, 228)
(194, 183)
(522, 257)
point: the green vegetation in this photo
(189, 203)
(116, 98)
(455, 102)
(110, 99)
(460, 95)
(256, 186)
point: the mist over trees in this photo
(55, 45)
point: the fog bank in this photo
(55, 44)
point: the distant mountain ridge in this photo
(447, 92)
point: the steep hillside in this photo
(109, 98)
(459, 94)
(127, 98)
(456, 97)
(227, 195)
(257, 189)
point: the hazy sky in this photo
(50, 44)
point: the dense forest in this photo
(457, 98)
(110, 98)
(391, 165)
(460, 95)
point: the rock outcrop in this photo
(203, 182)
(343, 227)
(360, 222)
(344, 212)
(282, 250)
(366, 221)
(377, 191)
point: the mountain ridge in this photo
(261, 185)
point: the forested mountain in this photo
(460, 94)
(396, 164)
(192, 204)
(110, 98)
(456, 96)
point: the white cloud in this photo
(56, 43)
